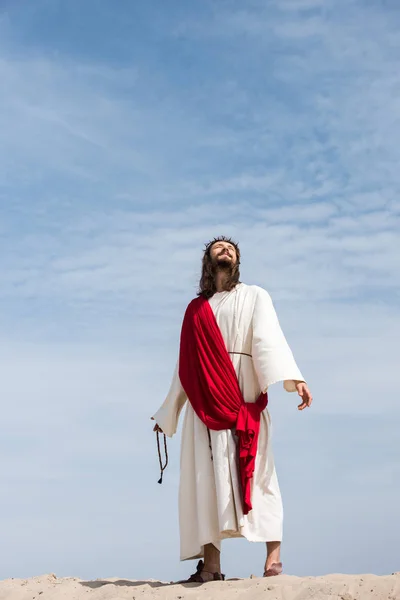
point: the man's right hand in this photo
(157, 427)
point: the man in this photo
(225, 490)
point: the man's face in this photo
(223, 254)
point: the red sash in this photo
(211, 385)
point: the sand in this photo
(284, 587)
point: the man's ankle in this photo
(211, 568)
(206, 576)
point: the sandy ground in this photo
(284, 587)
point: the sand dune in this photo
(285, 587)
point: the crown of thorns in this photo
(222, 238)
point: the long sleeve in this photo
(167, 416)
(272, 357)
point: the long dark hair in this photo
(207, 287)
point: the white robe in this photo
(210, 507)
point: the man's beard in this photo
(223, 263)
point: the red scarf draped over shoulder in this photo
(209, 379)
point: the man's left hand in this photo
(305, 395)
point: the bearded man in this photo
(232, 349)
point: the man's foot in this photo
(274, 569)
(273, 565)
(202, 576)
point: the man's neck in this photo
(221, 278)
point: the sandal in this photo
(197, 578)
(275, 569)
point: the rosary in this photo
(162, 467)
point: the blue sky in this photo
(130, 136)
